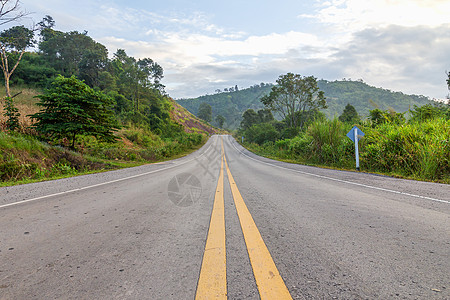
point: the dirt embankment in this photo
(190, 122)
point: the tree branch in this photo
(6, 9)
(17, 62)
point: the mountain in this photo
(365, 97)
(362, 96)
(231, 105)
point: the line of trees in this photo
(78, 77)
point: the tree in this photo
(14, 39)
(265, 116)
(205, 112)
(10, 11)
(249, 118)
(46, 23)
(292, 94)
(12, 115)
(150, 73)
(430, 112)
(448, 84)
(349, 115)
(378, 116)
(71, 108)
(136, 77)
(220, 120)
(74, 53)
(261, 133)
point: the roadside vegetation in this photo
(69, 109)
(413, 145)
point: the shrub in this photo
(261, 133)
(300, 145)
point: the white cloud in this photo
(350, 38)
(409, 59)
(355, 15)
(191, 49)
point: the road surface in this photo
(225, 223)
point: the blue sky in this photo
(402, 45)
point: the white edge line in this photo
(344, 181)
(103, 183)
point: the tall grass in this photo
(420, 150)
(328, 144)
(24, 102)
(414, 150)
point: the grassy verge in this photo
(24, 159)
(419, 151)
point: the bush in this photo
(300, 145)
(261, 133)
(283, 144)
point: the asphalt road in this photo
(172, 231)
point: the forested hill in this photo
(230, 105)
(362, 96)
(365, 97)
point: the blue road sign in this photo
(351, 133)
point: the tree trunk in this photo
(8, 92)
(6, 72)
(73, 141)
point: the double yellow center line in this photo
(212, 283)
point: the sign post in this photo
(355, 134)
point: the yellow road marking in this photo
(212, 283)
(268, 279)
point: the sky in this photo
(401, 45)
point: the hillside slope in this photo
(362, 96)
(24, 158)
(365, 97)
(190, 123)
(231, 105)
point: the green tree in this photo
(71, 108)
(220, 120)
(12, 114)
(349, 115)
(261, 133)
(448, 85)
(294, 93)
(205, 112)
(135, 78)
(249, 118)
(150, 73)
(265, 116)
(74, 53)
(33, 70)
(429, 112)
(15, 39)
(378, 116)
(46, 23)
